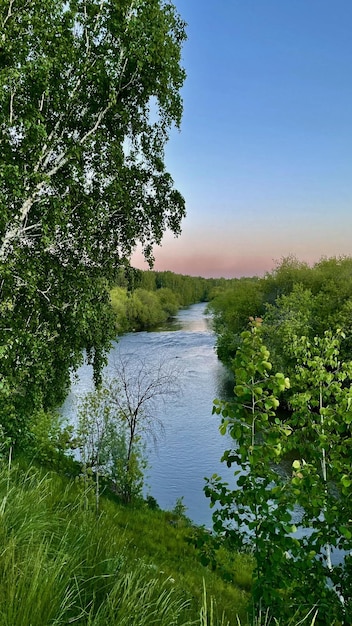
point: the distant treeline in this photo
(144, 299)
(293, 299)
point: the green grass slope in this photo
(60, 563)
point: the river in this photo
(191, 445)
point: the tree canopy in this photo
(292, 299)
(89, 90)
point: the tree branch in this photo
(11, 106)
(9, 13)
(16, 230)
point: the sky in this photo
(264, 155)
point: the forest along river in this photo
(191, 446)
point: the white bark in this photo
(17, 228)
(9, 13)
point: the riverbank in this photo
(142, 300)
(61, 563)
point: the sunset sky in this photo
(264, 156)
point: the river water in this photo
(191, 445)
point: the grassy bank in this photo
(62, 564)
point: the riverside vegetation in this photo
(292, 401)
(89, 90)
(61, 563)
(125, 560)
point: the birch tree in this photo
(89, 90)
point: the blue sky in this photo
(264, 156)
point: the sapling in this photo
(293, 571)
(256, 510)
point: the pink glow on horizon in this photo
(246, 258)
(207, 265)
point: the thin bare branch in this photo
(9, 13)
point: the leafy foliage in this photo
(250, 511)
(88, 93)
(266, 507)
(293, 299)
(322, 484)
(231, 309)
(144, 299)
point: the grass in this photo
(265, 619)
(61, 564)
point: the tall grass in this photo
(61, 564)
(138, 599)
(266, 619)
(208, 618)
(207, 612)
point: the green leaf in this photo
(223, 428)
(346, 481)
(345, 532)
